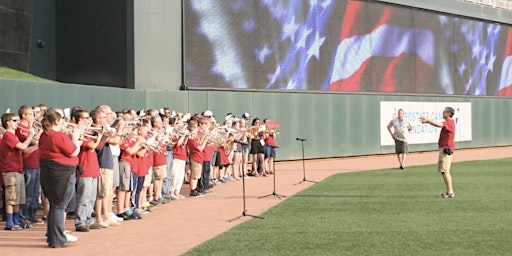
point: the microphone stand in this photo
(244, 212)
(303, 165)
(273, 192)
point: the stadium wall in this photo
(335, 125)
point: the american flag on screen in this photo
(477, 59)
(286, 38)
(302, 33)
(370, 56)
(505, 86)
(431, 42)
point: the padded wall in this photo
(334, 125)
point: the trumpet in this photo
(68, 128)
(37, 128)
(131, 124)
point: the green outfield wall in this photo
(334, 125)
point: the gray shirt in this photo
(400, 129)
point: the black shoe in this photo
(195, 194)
(135, 216)
(124, 216)
(57, 246)
(82, 228)
(156, 202)
(70, 216)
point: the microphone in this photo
(300, 139)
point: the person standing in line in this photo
(87, 181)
(59, 163)
(400, 133)
(446, 147)
(257, 150)
(30, 166)
(270, 145)
(195, 146)
(11, 165)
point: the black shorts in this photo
(256, 147)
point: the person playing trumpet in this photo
(257, 150)
(270, 146)
(59, 163)
(11, 166)
(127, 165)
(102, 206)
(159, 160)
(31, 167)
(87, 182)
(195, 149)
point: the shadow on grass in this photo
(360, 196)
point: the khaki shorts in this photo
(14, 188)
(148, 180)
(124, 176)
(445, 162)
(105, 182)
(160, 172)
(196, 169)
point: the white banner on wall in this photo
(425, 133)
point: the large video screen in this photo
(343, 46)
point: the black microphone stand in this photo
(244, 212)
(273, 192)
(303, 165)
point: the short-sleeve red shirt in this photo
(58, 147)
(193, 151)
(11, 160)
(447, 136)
(88, 159)
(180, 152)
(30, 160)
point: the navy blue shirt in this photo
(105, 157)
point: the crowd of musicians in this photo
(106, 166)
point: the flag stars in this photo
(490, 64)
(461, 68)
(314, 50)
(263, 53)
(476, 50)
(273, 77)
(289, 29)
(303, 36)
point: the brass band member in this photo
(30, 165)
(257, 151)
(58, 154)
(11, 165)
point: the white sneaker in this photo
(71, 238)
(173, 197)
(112, 216)
(113, 222)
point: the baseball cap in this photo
(245, 115)
(208, 113)
(229, 117)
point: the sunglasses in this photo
(15, 120)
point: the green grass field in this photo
(18, 75)
(385, 212)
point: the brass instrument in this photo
(37, 126)
(131, 124)
(69, 128)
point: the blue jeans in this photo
(55, 229)
(86, 189)
(166, 185)
(138, 182)
(32, 188)
(204, 182)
